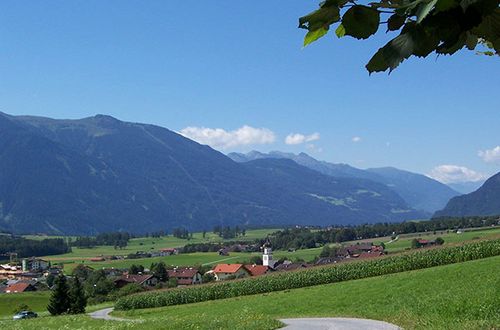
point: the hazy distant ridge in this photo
(102, 174)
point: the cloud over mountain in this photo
(297, 138)
(490, 155)
(455, 173)
(221, 139)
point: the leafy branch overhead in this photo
(424, 26)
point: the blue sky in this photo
(230, 64)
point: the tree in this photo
(159, 270)
(77, 298)
(136, 269)
(82, 272)
(423, 26)
(208, 277)
(50, 280)
(415, 244)
(256, 260)
(59, 302)
(172, 282)
(439, 241)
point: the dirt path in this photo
(338, 323)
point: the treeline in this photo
(215, 247)
(32, 248)
(182, 233)
(116, 239)
(305, 238)
(227, 232)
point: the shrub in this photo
(312, 276)
(21, 307)
(128, 290)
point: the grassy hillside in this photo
(37, 301)
(404, 241)
(434, 298)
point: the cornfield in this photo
(312, 276)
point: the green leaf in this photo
(312, 36)
(325, 16)
(471, 41)
(361, 22)
(489, 29)
(340, 31)
(451, 48)
(424, 9)
(395, 22)
(392, 54)
(443, 5)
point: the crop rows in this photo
(312, 276)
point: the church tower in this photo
(267, 257)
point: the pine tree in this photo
(159, 270)
(59, 300)
(77, 298)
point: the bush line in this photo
(311, 276)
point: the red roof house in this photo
(19, 287)
(257, 270)
(185, 276)
(224, 271)
(144, 280)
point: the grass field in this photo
(151, 244)
(434, 298)
(404, 241)
(81, 256)
(37, 301)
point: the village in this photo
(36, 274)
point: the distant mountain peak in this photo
(417, 190)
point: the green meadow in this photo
(153, 243)
(82, 256)
(451, 237)
(37, 301)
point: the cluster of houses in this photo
(30, 275)
(33, 271)
(231, 271)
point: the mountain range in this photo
(101, 174)
(418, 191)
(484, 201)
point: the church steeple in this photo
(267, 257)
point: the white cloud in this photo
(491, 155)
(454, 174)
(356, 139)
(298, 138)
(220, 138)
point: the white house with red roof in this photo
(225, 271)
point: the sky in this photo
(234, 75)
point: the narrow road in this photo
(338, 323)
(103, 314)
(219, 261)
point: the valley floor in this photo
(458, 296)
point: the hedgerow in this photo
(312, 276)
